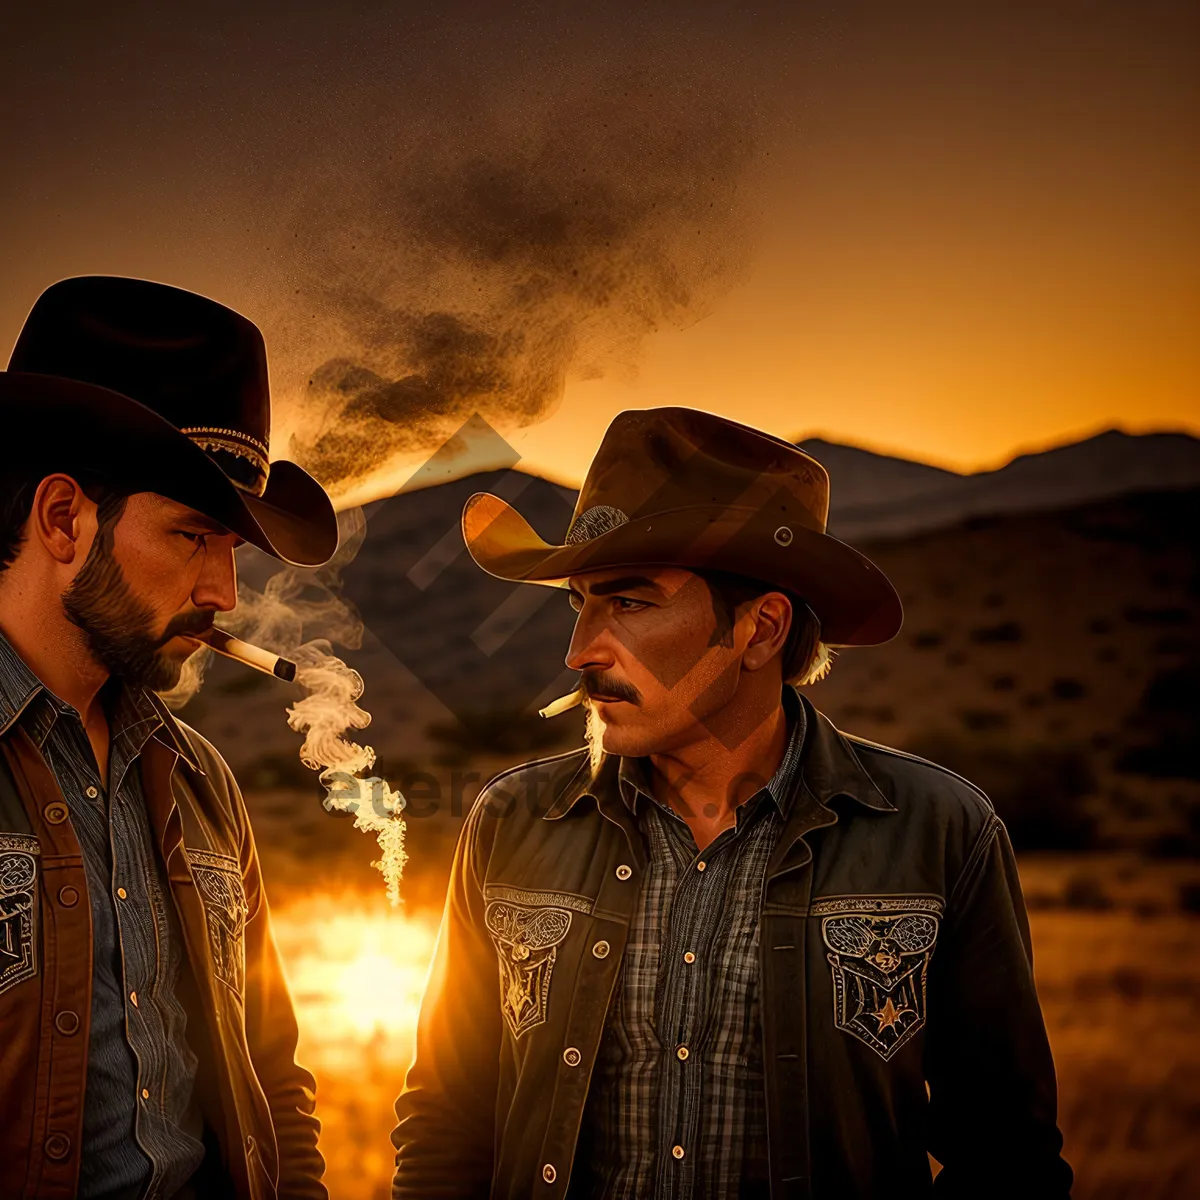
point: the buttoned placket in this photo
(132, 865)
(131, 900)
(681, 1008)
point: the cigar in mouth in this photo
(243, 652)
(563, 703)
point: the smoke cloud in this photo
(489, 259)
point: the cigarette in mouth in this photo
(562, 704)
(243, 652)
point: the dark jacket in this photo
(256, 1100)
(898, 1005)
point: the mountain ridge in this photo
(877, 496)
(881, 496)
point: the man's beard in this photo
(119, 629)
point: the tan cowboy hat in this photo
(680, 487)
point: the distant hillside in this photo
(877, 496)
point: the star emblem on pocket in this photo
(889, 1015)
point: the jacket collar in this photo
(829, 768)
(171, 734)
(832, 768)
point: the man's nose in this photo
(216, 588)
(589, 646)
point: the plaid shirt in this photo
(677, 1104)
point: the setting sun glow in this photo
(357, 970)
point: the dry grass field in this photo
(1117, 957)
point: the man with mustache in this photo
(738, 953)
(148, 1035)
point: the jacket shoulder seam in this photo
(985, 804)
(986, 836)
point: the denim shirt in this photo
(141, 1125)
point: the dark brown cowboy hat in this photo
(155, 389)
(679, 487)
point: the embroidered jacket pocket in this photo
(527, 927)
(19, 857)
(879, 949)
(219, 881)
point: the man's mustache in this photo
(200, 621)
(596, 683)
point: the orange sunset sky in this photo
(969, 230)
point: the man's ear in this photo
(59, 516)
(772, 615)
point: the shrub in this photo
(981, 719)
(1067, 689)
(1006, 631)
(1169, 713)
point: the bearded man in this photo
(148, 1035)
(731, 951)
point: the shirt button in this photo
(700, 867)
(145, 1093)
(600, 949)
(91, 792)
(57, 1146)
(56, 813)
(689, 957)
(549, 1174)
(677, 1151)
(68, 897)
(123, 893)
(681, 1053)
(624, 872)
(133, 997)
(572, 1057)
(67, 1022)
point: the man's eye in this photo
(626, 604)
(195, 538)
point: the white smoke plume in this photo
(323, 716)
(300, 614)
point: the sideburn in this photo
(99, 593)
(117, 628)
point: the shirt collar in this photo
(137, 715)
(825, 765)
(23, 696)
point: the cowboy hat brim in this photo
(62, 424)
(854, 601)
